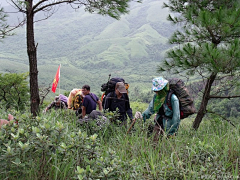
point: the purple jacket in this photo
(63, 98)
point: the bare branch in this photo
(52, 4)
(223, 97)
(44, 92)
(18, 7)
(19, 25)
(48, 15)
(39, 3)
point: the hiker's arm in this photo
(129, 113)
(69, 102)
(49, 106)
(63, 105)
(128, 109)
(83, 112)
(176, 115)
(149, 111)
(100, 105)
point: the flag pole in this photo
(59, 78)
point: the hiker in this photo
(119, 99)
(110, 86)
(4, 121)
(90, 101)
(166, 120)
(60, 102)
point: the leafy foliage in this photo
(209, 38)
(14, 90)
(52, 148)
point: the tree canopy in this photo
(207, 44)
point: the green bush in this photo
(52, 147)
(14, 91)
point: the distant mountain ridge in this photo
(90, 46)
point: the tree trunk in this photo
(32, 56)
(205, 99)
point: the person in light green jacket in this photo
(167, 117)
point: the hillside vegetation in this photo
(90, 46)
(55, 146)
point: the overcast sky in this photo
(3, 3)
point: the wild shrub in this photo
(52, 147)
(14, 91)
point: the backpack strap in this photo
(110, 97)
(92, 97)
(169, 95)
(125, 96)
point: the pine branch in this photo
(211, 112)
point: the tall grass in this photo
(211, 152)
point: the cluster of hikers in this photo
(85, 103)
(166, 104)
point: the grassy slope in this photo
(209, 153)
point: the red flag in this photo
(56, 79)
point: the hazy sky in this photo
(3, 3)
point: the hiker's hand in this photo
(138, 115)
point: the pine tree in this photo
(207, 45)
(3, 25)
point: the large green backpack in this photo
(177, 87)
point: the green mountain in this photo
(90, 46)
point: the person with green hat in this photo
(167, 117)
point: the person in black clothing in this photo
(119, 99)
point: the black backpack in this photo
(110, 86)
(177, 87)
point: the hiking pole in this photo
(134, 120)
(138, 115)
